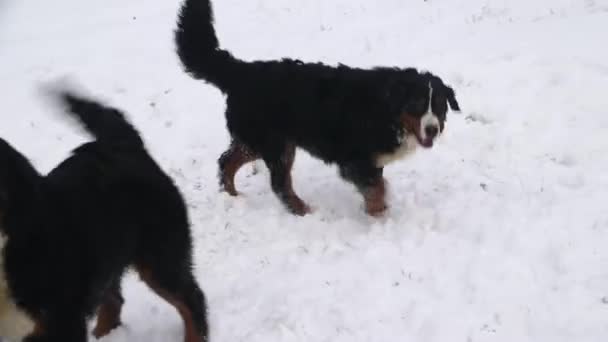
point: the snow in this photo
(499, 233)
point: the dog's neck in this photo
(407, 145)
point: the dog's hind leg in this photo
(108, 314)
(280, 165)
(179, 288)
(369, 181)
(237, 155)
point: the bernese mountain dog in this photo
(67, 238)
(359, 119)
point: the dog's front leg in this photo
(281, 182)
(374, 196)
(369, 181)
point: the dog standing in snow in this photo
(67, 238)
(359, 119)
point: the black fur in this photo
(340, 114)
(73, 233)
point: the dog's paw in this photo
(376, 210)
(103, 330)
(300, 208)
(229, 188)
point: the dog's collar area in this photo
(407, 144)
(402, 134)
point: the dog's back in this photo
(108, 206)
(114, 171)
(70, 235)
(115, 164)
(114, 187)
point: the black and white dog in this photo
(358, 119)
(67, 238)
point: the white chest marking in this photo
(14, 324)
(407, 147)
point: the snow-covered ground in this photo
(500, 233)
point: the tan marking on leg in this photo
(232, 160)
(108, 316)
(374, 197)
(295, 203)
(190, 331)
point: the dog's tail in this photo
(198, 46)
(106, 124)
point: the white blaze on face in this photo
(408, 142)
(14, 324)
(429, 119)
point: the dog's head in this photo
(421, 102)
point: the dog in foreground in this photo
(67, 238)
(358, 119)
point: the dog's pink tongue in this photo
(428, 143)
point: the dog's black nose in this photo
(431, 131)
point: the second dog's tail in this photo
(198, 46)
(106, 124)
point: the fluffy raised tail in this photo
(198, 47)
(106, 124)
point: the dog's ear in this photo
(451, 96)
